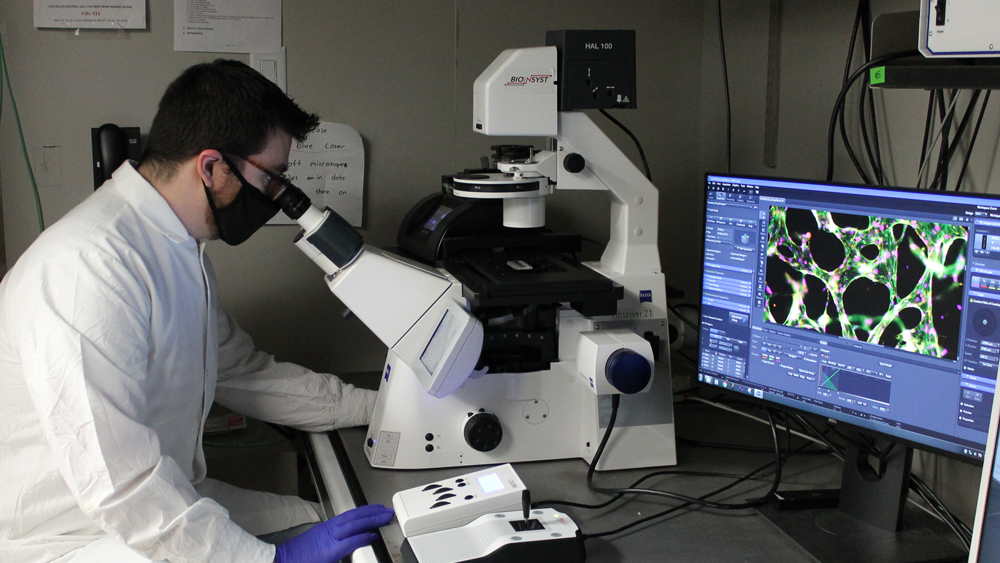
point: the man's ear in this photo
(210, 166)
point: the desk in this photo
(703, 535)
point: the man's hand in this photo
(331, 541)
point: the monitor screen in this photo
(872, 306)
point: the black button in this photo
(428, 436)
(459, 480)
(574, 162)
(440, 504)
(370, 442)
(469, 497)
(446, 495)
(429, 448)
(461, 484)
(442, 490)
(431, 486)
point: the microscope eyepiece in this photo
(293, 201)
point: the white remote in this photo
(454, 502)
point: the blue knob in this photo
(628, 371)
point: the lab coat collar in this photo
(149, 203)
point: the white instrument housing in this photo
(454, 502)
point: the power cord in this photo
(725, 81)
(676, 311)
(838, 106)
(642, 155)
(20, 134)
(614, 491)
(934, 507)
(685, 505)
(972, 141)
(950, 148)
(937, 135)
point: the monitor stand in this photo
(872, 521)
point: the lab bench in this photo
(702, 535)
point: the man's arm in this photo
(253, 383)
(84, 353)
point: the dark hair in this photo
(223, 105)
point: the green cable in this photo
(20, 133)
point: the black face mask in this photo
(248, 212)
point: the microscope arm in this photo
(632, 248)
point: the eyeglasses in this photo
(274, 182)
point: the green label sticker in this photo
(877, 75)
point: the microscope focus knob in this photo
(574, 162)
(483, 431)
(628, 371)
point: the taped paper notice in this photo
(227, 26)
(329, 166)
(74, 14)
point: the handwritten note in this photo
(329, 166)
(74, 14)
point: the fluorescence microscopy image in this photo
(888, 281)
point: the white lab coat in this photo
(112, 348)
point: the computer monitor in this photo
(986, 530)
(875, 308)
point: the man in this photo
(113, 347)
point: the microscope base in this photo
(542, 415)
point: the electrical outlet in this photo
(271, 65)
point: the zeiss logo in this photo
(533, 79)
(388, 368)
(645, 296)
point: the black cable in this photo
(615, 400)
(863, 122)
(927, 494)
(838, 105)
(847, 70)
(808, 427)
(719, 446)
(850, 49)
(932, 499)
(953, 146)
(684, 505)
(619, 496)
(850, 150)
(642, 155)
(744, 448)
(927, 130)
(682, 318)
(972, 141)
(725, 80)
(946, 120)
(866, 36)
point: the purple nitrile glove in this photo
(331, 541)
